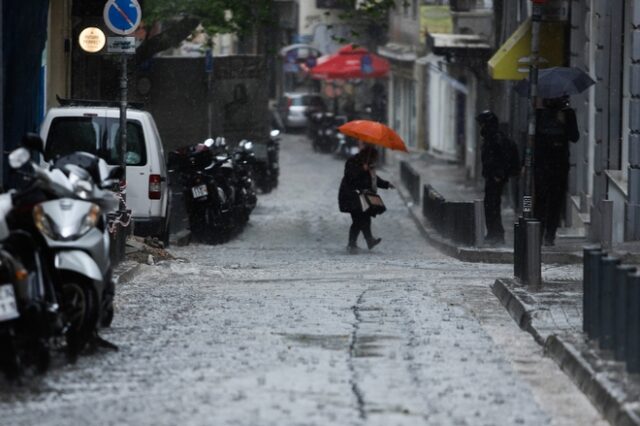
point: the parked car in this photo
(294, 108)
(95, 129)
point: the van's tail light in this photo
(289, 103)
(155, 192)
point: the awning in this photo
(398, 52)
(511, 61)
(351, 63)
(463, 44)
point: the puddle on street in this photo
(365, 347)
(325, 341)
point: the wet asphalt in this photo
(282, 326)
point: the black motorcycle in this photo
(326, 136)
(208, 204)
(266, 165)
(244, 163)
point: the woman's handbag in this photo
(372, 203)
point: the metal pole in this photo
(534, 269)
(632, 341)
(527, 198)
(123, 112)
(606, 316)
(620, 310)
(591, 262)
(210, 103)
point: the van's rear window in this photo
(96, 135)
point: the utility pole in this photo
(124, 84)
(528, 243)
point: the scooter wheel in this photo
(79, 310)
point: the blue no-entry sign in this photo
(122, 16)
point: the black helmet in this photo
(487, 116)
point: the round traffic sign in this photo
(122, 16)
(92, 39)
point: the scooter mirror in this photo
(33, 142)
(274, 133)
(19, 158)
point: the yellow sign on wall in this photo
(511, 61)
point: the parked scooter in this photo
(55, 232)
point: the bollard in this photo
(620, 310)
(594, 294)
(590, 261)
(517, 254)
(533, 262)
(606, 317)
(632, 341)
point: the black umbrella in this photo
(557, 81)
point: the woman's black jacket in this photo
(355, 179)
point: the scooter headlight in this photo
(43, 223)
(90, 220)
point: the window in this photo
(98, 136)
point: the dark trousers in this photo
(550, 190)
(492, 213)
(361, 223)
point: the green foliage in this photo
(216, 16)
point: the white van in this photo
(95, 129)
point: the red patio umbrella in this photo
(350, 63)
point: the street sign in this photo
(92, 39)
(121, 45)
(208, 62)
(122, 16)
(366, 64)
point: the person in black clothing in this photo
(556, 126)
(496, 169)
(360, 175)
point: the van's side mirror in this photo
(33, 142)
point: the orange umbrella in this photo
(374, 133)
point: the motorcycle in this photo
(243, 163)
(54, 231)
(208, 205)
(266, 164)
(325, 139)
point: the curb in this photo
(569, 359)
(472, 254)
(517, 308)
(128, 274)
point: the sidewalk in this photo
(451, 182)
(552, 314)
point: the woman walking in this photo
(360, 175)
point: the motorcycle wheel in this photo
(79, 307)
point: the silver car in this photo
(295, 107)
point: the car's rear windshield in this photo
(96, 135)
(313, 100)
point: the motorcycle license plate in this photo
(8, 306)
(199, 191)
